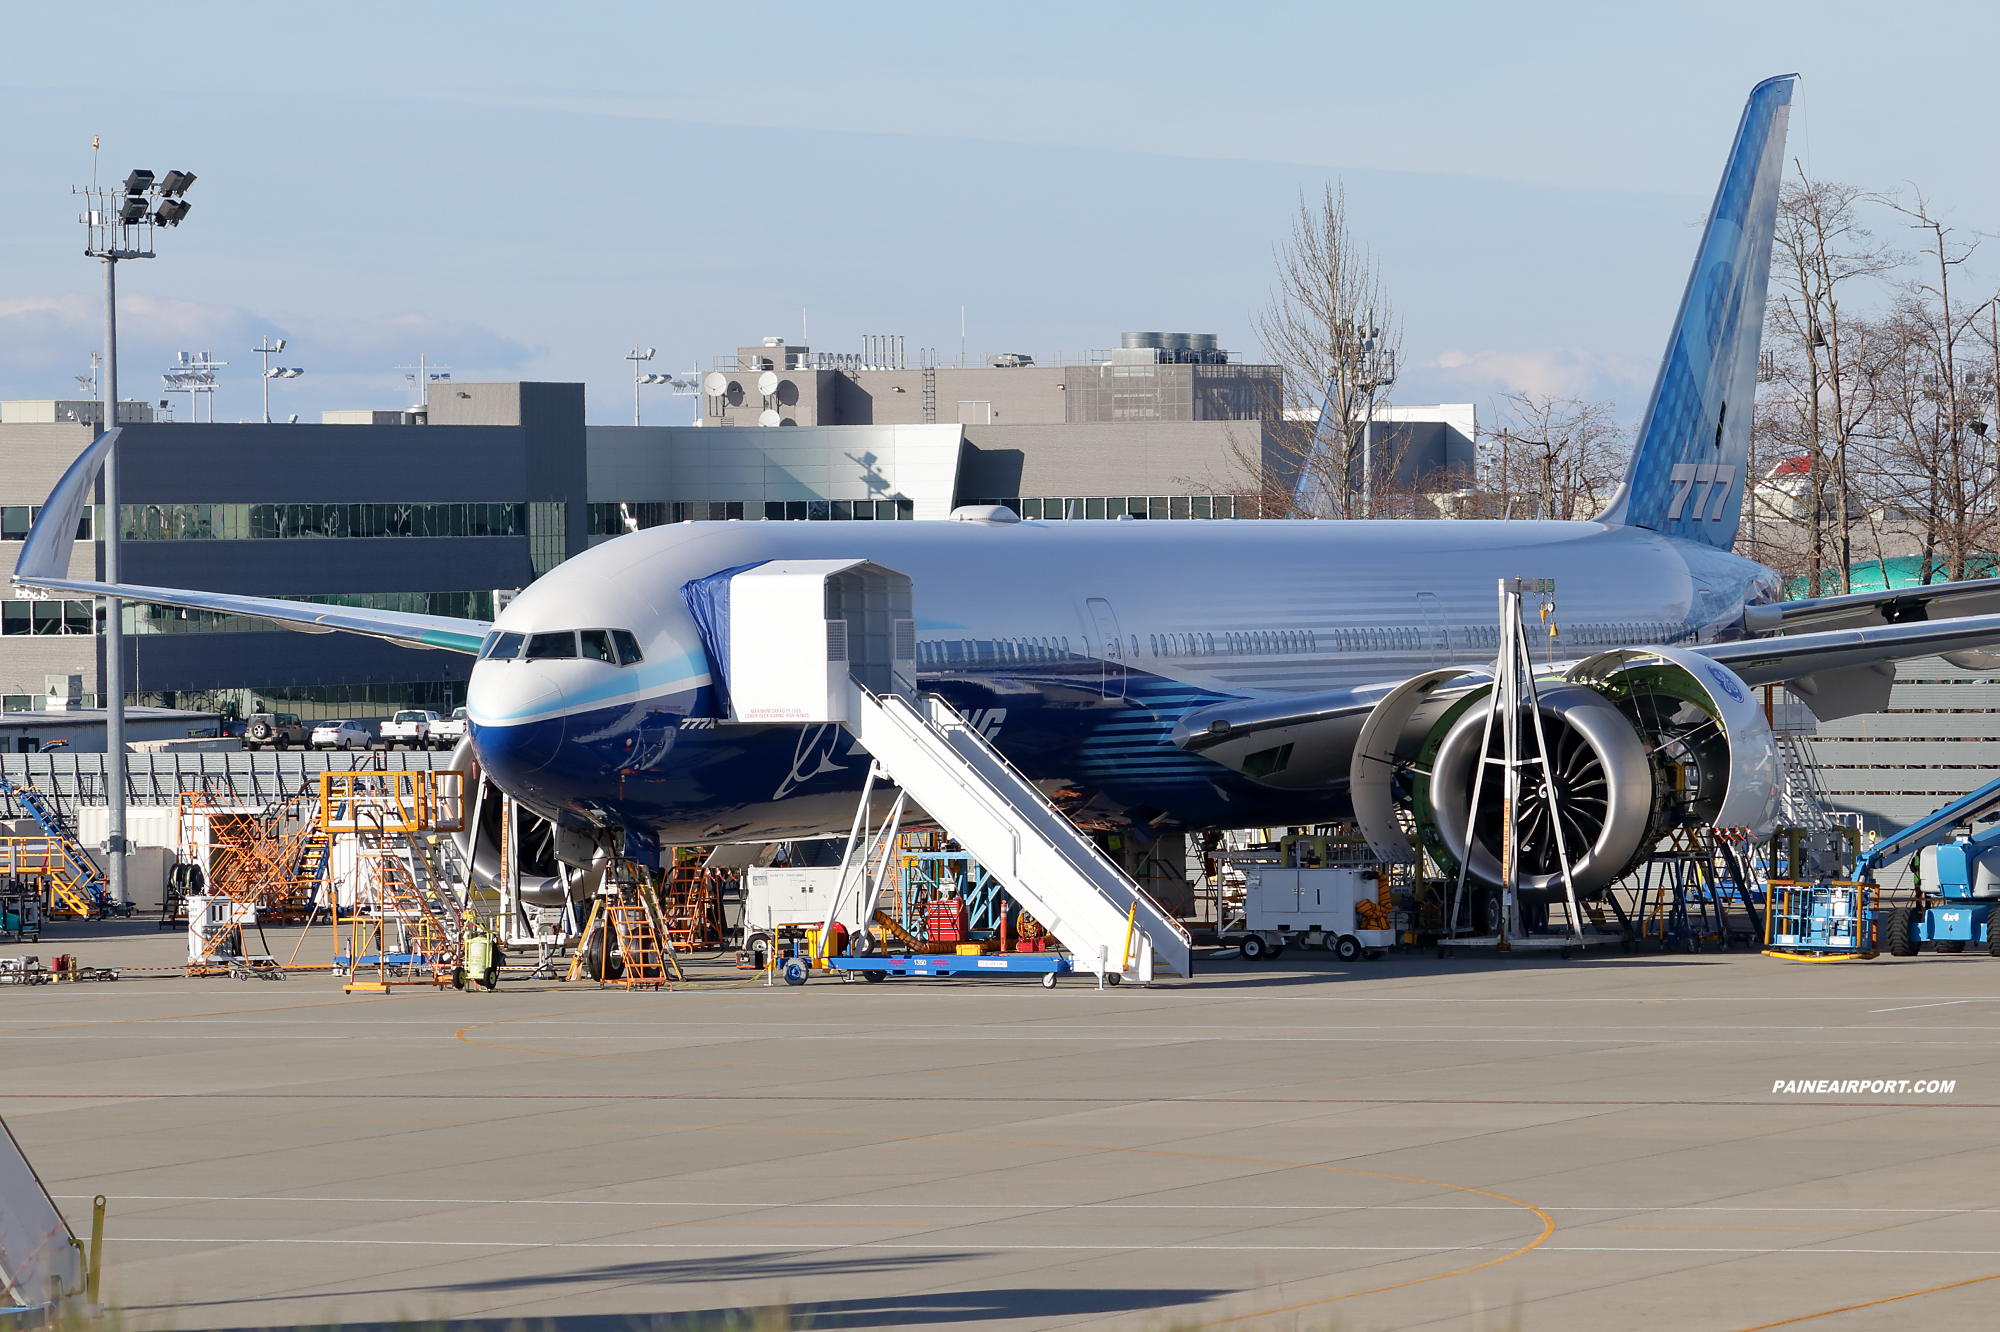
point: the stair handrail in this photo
(1092, 854)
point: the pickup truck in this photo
(450, 731)
(409, 729)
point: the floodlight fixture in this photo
(170, 211)
(268, 348)
(133, 211)
(176, 182)
(138, 182)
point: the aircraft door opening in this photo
(1105, 621)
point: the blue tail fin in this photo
(1689, 470)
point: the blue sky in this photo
(525, 191)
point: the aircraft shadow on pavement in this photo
(799, 1270)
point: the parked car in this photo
(409, 729)
(451, 730)
(275, 729)
(347, 734)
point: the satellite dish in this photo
(767, 417)
(767, 383)
(715, 384)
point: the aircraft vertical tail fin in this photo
(1689, 469)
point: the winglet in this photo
(1689, 470)
(45, 554)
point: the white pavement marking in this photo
(906, 1246)
(1904, 1008)
(1042, 1206)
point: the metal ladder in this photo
(80, 885)
(1802, 801)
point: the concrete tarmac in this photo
(1408, 1143)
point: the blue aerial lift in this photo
(1955, 906)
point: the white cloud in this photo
(1563, 371)
(46, 339)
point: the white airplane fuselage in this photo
(1074, 645)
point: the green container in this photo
(478, 955)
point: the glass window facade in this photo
(16, 519)
(254, 522)
(47, 618)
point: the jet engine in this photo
(1640, 741)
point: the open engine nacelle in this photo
(1641, 741)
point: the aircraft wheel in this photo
(1348, 948)
(1254, 947)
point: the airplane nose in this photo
(516, 710)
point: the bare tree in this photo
(1550, 457)
(1941, 462)
(1821, 363)
(1332, 330)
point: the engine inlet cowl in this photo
(1603, 794)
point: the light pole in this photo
(1378, 371)
(637, 356)
(119, 224)
(267, 349)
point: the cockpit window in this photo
(597, 645)
(504, 647)
(628, 647)
(546, 647)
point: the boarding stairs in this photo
(1051, 868)
(77, 885)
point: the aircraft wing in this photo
(1975, 596)
(1835, 672)
(411, 630)
(45, 557)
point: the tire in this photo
(757, 951)
(491, 980)
(1993, 934)
(795, 971)
(1113, 979)
(458, 978)
(1948, 946)
(1348, 948)
(1277, 951)
(874, 977)
(1048, 979)
(1895, 940)
(1254, 947)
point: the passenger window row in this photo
(616, 646)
